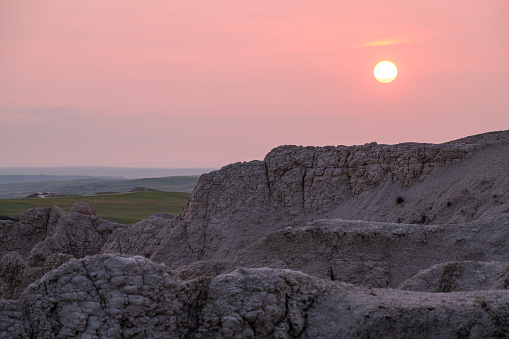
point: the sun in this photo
(385, 72)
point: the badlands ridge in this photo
(371, 241)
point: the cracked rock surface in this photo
(370, 241)
(108, 296)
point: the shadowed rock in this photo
(460, 276)
(79, 234)
(44, 239)
(16, 275)
(375, 254)
(113, 297)
(209, 268)
(35, 225)
(142, 238)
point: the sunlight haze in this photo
(203, 84)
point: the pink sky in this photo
(201, 83)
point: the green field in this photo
(126, 208)
(92, 186)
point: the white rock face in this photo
(312, 242)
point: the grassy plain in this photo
(125, 208)
(92, 186)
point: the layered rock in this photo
(317, 179)
(375, 254)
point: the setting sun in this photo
(385, 72)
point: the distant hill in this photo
(14, 179)
(101, 172)
(92, 186)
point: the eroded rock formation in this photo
(310, 242)
(375, 254)
(108, 296)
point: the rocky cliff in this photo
(372, 241)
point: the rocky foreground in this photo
(372, 241)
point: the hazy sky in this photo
(200, 83)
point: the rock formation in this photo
(372, 241)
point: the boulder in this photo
(83, 208)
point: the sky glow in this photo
(202, 84)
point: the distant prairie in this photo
(101, 171)
(92, 186)
(125, 208)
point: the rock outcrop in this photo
(109, 296)
(375, 254)
(142, 238)
(79, 233)
(35, 225)
(372, 241)
(16, 275)
(44, 239)
(457, 182)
